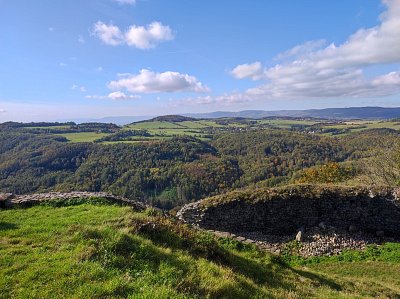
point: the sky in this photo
(64, 60)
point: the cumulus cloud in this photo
(253, 71)
(109, 34)
(315, 70)
(147, 81)
(147, 37)
(117, 95)
(330, 83)
(129, 2)
(141, 37)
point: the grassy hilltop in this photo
(108, 251)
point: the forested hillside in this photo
(174, 171)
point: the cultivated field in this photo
(206, 129)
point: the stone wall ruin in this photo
(284, 211)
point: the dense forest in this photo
(171, 172)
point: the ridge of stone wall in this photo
(283, 211)
(9, 200)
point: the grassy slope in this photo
(83, 136)
(95, 251)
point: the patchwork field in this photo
(204, 129)
(83, 136)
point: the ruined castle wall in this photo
(8, 200)
(277, 214)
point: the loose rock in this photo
(299, 236)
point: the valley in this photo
(173, 160)
(162, 128)
(276, 207)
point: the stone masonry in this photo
(284, 211)
(8, 200)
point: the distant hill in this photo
(118, 120)
(328, 113)
(123, 120)
(173, 118)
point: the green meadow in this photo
(108, 251)
(204, 129)
(82, 136)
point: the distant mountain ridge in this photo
(118, 120)
(327, 113)
(173, 118)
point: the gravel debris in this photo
(322, 240)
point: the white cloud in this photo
(149, 82)
(2, 110)
(129, 2)
(81, 39)
(99, 69)
(119, 95)
(313, 70)
(302, 49)
(109, 34)
(253, 71)
(147, 37)
(141, 37)
(329, 83)
(116, 95)
(62, 64)
(51, 29)
(392, 78)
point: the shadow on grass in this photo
(7, 226)
(319, 279)
(272, 273)
(130, 254)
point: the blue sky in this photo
(89, 59)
